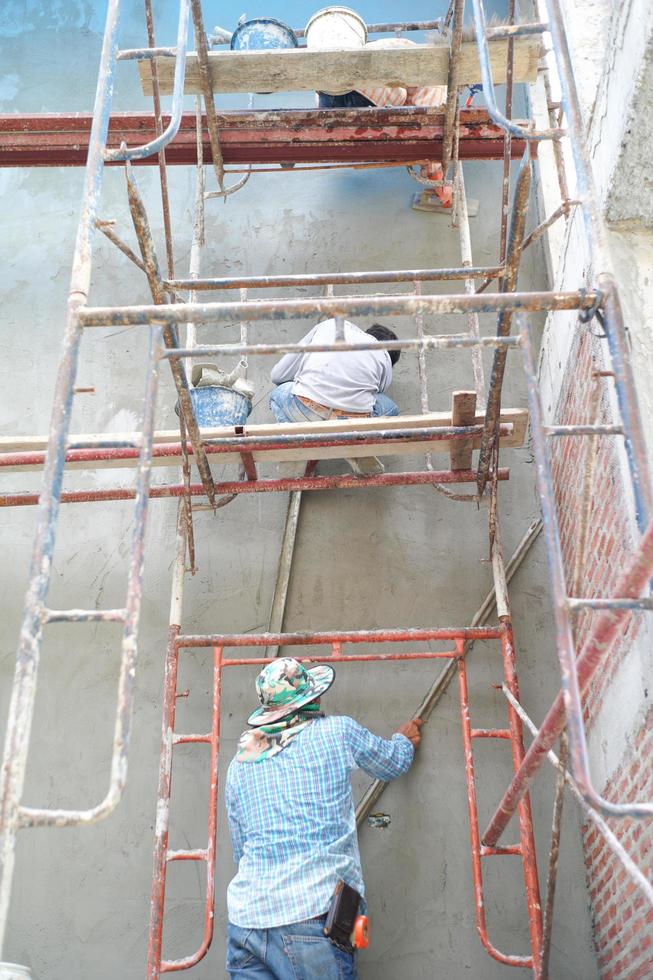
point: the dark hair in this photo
(384, 333)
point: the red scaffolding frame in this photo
(163, 856)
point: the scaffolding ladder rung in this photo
(83, 615)
(490, 733)
(199, 854)
(507, 849)
(189, 739)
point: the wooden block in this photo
(298, 69)
(463, 412)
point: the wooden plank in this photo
(299, 69)
(463, 412)
(515, 416)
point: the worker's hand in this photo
(412, 731)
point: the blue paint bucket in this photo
(262, 34)
(215, 406)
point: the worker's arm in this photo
(235, 828)
(381, 758)
(288, 367)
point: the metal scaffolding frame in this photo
(596, 297)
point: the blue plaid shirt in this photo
(292, 821)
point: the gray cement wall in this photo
(364, 558)
(612, 65)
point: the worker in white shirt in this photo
(312, 387)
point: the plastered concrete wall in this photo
(364, 558)
(613, 66)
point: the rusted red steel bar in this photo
(525, 816)
(331, 637)
(259, 136)
(594, 653)
(345, 481)
(472, 805)
(348, 658)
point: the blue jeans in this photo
(286, 407)
(300, 951)
(350, 100)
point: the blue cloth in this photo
(286, 407)
(292, 821)
(295, 952)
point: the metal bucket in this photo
(262, 34)
(214, 405)
(339, 28)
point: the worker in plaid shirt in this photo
(293, 826)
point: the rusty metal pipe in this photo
(21, 707)
(110, 316)
(508, 285)
(452, 83)
(206, 84)
(335, 278)
(148, 253)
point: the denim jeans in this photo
(350, 100)
(286, 407)
(299, 951)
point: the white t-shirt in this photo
(349, 380)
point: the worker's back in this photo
(292, 820)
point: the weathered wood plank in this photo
(516, 416)
(299, 69)
(463, 412)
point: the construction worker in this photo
(385, 96)
(293, 827)
(336, 384)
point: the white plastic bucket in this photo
(339, 28)
(14, 971)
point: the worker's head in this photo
(384, 333)
(284, 686)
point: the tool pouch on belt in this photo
(341, 917)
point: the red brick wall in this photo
(623, 921)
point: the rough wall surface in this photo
(613, 66)
(365, 558)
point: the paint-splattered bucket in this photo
(215, 405)
(262, 34)
(340, 28)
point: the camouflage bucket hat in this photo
(285, 685)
